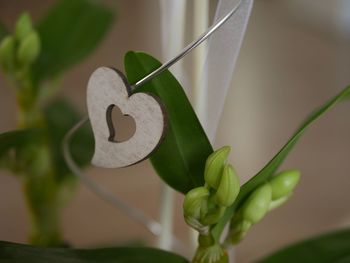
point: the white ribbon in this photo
(223, 50)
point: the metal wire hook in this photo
(152, 225)
(188, 48)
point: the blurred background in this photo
(295, 55)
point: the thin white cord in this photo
(153, 226)
(173, 25)
(200, 23)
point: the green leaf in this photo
(3, 31)
(60, 118)
(13, 142)
(18, 253)
(16, 139)
(272, 166)
(330, 248)
(70, 31)
(180, 159)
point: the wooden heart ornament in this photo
(107, 88)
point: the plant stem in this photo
(40, 186)
(44, 211)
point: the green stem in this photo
(40, 187)
(42, 195)
(44, 212)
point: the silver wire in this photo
(153, 226)
(188, 48)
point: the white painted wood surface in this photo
(107, 88)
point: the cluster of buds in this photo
(205, 205)
(20, 50)
(263, 199)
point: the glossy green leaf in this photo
(60, 118)
(15, 139)
(330, 248)
(180, 159)
(271, 167)
(18, 253)
(70, 31)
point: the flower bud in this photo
(29, 49)
(228, 188)
(283, 183)
(237, 237)
(238, 230)
(278, 202)
(213, 216)
(193, 202)
(257, 204)
(215, 165)
(7, 53)
(23, 27)
(195, 224)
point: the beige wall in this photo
(285, 70)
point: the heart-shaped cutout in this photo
(108, 87)
(121, 126)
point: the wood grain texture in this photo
(107, 88)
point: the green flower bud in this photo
(228, 188)
(195, 224)
(283, 183)
(215, 165)
(29, 49)
(237, 237)
(211, 254)
(213, 216)
(238, 230)
(23, 27)
(7, 53)
(193, 202)
(257, 204)
(278, 202)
